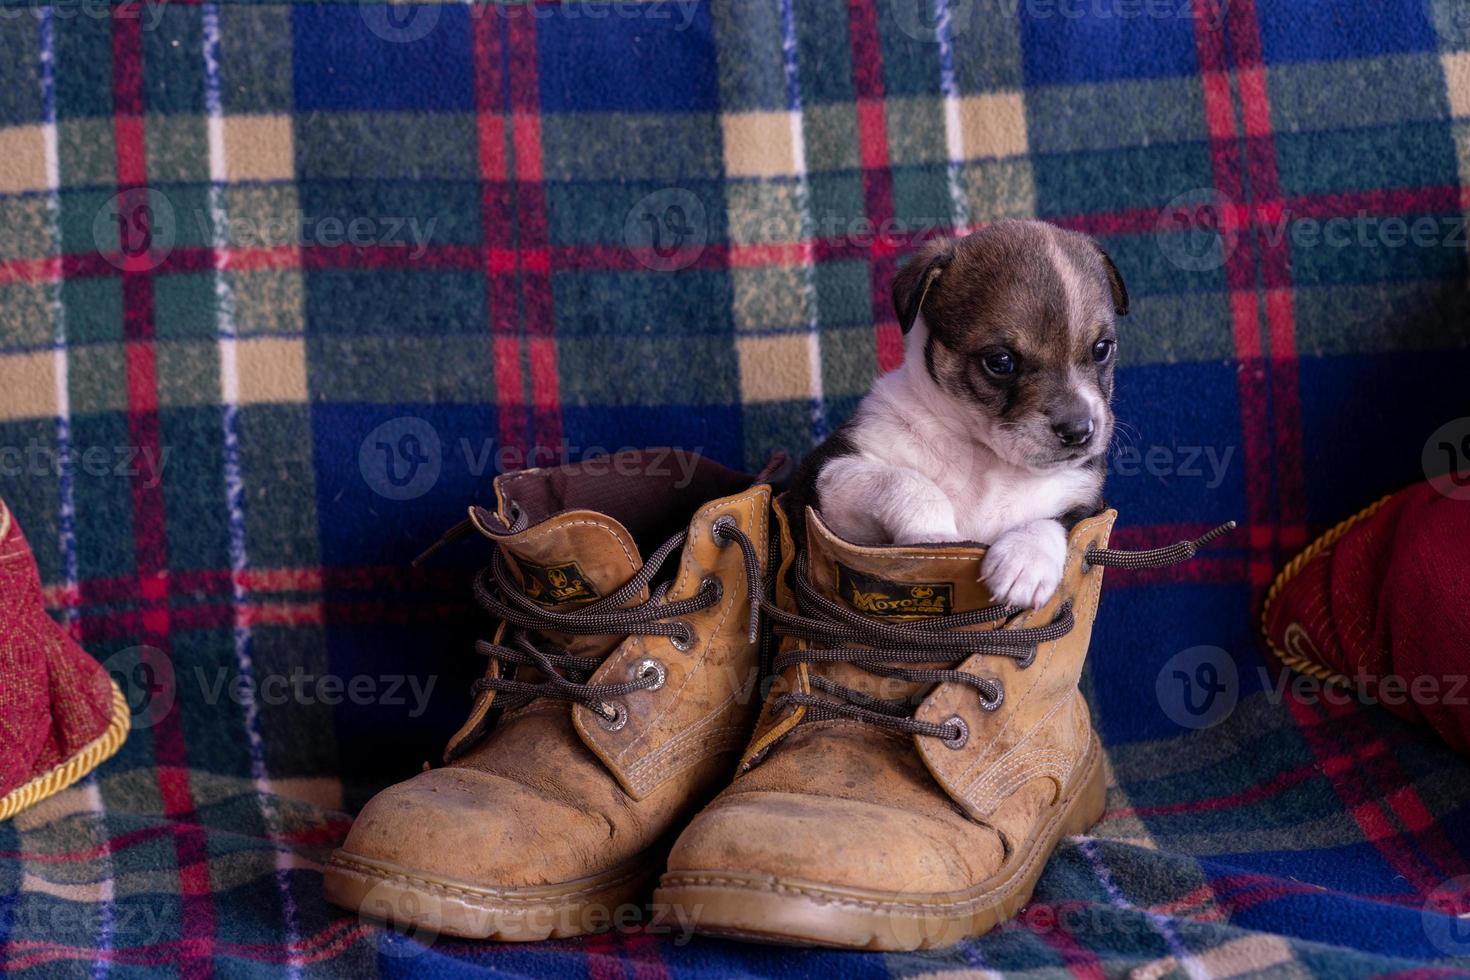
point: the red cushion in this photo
(54, 698)
(1383, 600)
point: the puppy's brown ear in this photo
(916, 279)
(1115, 282)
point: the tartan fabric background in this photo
(281, 284)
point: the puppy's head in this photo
(1020, 333)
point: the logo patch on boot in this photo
(552, 585)
(873, 596)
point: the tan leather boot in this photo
(617, 698)
(918, 759)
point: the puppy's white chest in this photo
(989, 503)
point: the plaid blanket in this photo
(283, 284)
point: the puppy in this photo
(994, 428)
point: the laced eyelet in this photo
(684, 639)
(713, 583)
(1000, 697)
(1027, 660)
(958, 742)
(644, 667)
(619, 716)
(718, 528)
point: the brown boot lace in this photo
(886, 647)
(567, 674)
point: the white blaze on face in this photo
(1074, 289)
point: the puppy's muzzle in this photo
(1074, 432)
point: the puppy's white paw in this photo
(1024, 566)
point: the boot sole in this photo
(425, 906)
(791, 911)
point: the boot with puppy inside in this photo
(925, 745)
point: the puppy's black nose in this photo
(1074, 432)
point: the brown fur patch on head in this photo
(1041, 295)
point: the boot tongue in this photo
(896, 582)
(893, 584)
(564, 561)
(567, 560)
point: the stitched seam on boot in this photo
(650, 762)
(699, 661)
(1046, 762)
(731, 739)
(642, 777)
(979, 754)
(1016, 750)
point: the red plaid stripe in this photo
(191, 845)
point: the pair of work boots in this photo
(918, 754)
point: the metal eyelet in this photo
(713, 582)
(718, 527)
(684, 639)
(644, 667)
(619, 716)
(1000, 698)
(958, 742)
(1027, 660)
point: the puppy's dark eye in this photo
(1000, 363)
(1102, 350)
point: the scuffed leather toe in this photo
(469, 825)
(832, 841)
